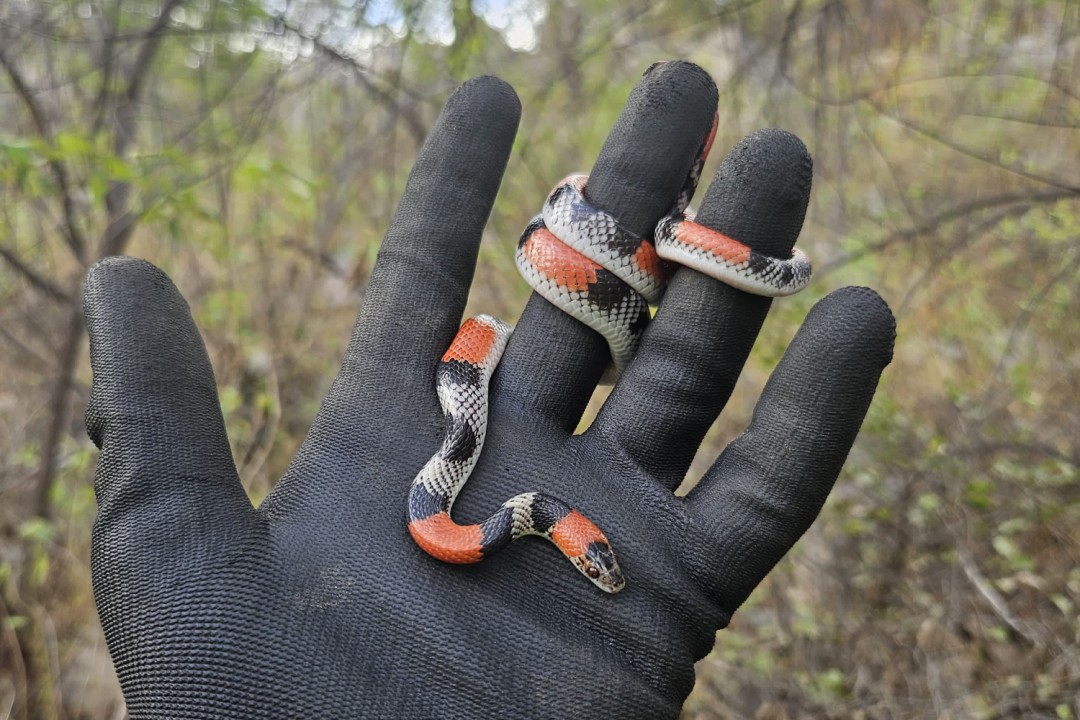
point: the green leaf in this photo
(15, 622)
(37, 530)
(70, 144)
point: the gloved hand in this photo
(319, 605)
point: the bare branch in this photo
(1036, 449)
(412, 119)
(994, 598)
(139, 71)
(971, 152)
(107, 64)
(58, 401)
(1021, 324)
(121, 220)
(73, 235)
(31, 357)
(33, 277)
(956, 212)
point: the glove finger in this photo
(421, 278)
(693, 351)
(553, 362)
(153, 409)
(768, 485)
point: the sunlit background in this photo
(256, 150)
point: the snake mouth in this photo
(600, 566)
(613, 581)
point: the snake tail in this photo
(462, 380)
(710, 252)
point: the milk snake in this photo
(582, 260)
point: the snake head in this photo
(599, 565)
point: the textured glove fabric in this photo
(319, 605)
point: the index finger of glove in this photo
(421, 278)
(153, 409)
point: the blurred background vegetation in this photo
(255, 151)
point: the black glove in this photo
(319, 605)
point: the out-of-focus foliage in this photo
(255, 151)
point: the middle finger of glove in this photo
(553, 362)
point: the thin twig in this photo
(58, 402)
(31, 358)
(994, 598)
(934, 223)
(35, 279)
(926, 132)
(983, 449)
(73, 235)
(121, 221)
(1021, 323)
(412, 119)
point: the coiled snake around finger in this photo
(583, 261)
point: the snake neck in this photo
(577, 537)
(525, 514)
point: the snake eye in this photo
(592, 572)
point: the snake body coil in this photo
(462, 379)
(583, 261)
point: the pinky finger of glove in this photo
(769, 484)
(154, 409)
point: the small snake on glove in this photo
(462, 380)
(583, 261)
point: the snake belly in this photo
(462, 379)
